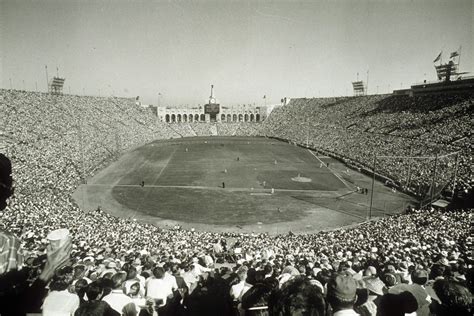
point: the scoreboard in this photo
(211, 108)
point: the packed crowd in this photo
(228, 129)
(112, 266)
(186, 129)
(393, 126)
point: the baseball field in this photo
(249, 184)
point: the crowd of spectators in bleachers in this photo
(413, 262)
(186, 129)
(396, 126)
(227, 129)
(202, 129)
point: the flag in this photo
(438, 58)
(454, 54)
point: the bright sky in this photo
(247, 49)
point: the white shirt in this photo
(117, 300)
(60, 303)
(158, 289)
(345, 312)
(199, 269)
(239, 289)
(190, 279)
(171, 280)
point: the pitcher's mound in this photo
(301, 179)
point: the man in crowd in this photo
(341, 294)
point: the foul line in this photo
(216, 188)
(334, 173)
(156, 178)
(166, 165)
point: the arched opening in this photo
(257, 117)
(223, 117)
(179, 118)
(167, 118)
(185, 117)
(246, 117)
(252, 117)
(190, 117)
(234, 118)
(196, 118)
(203, 118)
(229, 118)
(173, 118)
(241, 117)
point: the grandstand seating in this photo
(57, 141)
(356, 128)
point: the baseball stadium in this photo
(138, 192)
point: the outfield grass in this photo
(248, 161)
(183, 184)
(183, 180)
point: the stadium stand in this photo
(227, 129)
(419, 261)
(354, 129)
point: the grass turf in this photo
(183, 180)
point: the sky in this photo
(170, 52)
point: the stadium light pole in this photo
(373, 184)
(455, 175)
(409, 169)
(433, 182)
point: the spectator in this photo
(117, 299)
(59, 301)
(397, 304)
(157, 288)
(94, 306)
(255, 301)
(455, 298)
(341, 294)
(80, 289)
(298, 297)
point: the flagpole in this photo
(47, 79)
(367, 83)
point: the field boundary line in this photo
(216, 188)
(166, 165)
(333, 172)
(154, 181)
